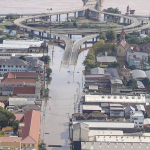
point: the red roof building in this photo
(23, 90)
(31, 129)
(24, 75)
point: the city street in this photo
(64, 87)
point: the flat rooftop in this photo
(115, 99)
(109, 125)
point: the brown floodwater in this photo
(41, 6)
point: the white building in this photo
(137, 118)
(97, 99)
(12, 65)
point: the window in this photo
(28, 145)
(4, 66)
(32, 145)
(24, 145)
(24, 66)
(16, 66)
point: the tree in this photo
(23, 58)
(102, 35)
(42, 145)
(85, 25)
(146, 82)
(87, 62)
(75, 25)
(15, 125)
(90, 56)
(132, 83)
(112, 10)
(48, 72)
(6, 117)
(111, 35)
(45, 59)
(114, 49)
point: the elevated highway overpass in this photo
(72, 49)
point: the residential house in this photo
(36, 65)
(123, 46)
(145, 48)
(12, 143)
(124, 73)
(31, 130)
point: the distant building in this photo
(124, 73)
(138, 118)
(123, 46)
(136, 59)
(104, 61)
(18, 65)
(138, 74)
(31, 130)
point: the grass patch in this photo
(2, 27)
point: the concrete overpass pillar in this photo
(67, 16)
(59, 18)
(39, 33)
(26, 21)
(142, 22)
(86, 44)
(74, 14)
(81, 14)
(130, 21)
(50, 19)
(124, 20)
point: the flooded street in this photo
(64, 87)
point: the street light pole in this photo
(49, 9)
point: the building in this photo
(97, 71)
(25, 46)
(136, 59)
(116, 111)
(13, 82)
(16, 101)
(124, 73)
(137, 118)
(145, 48)
(122, 99)
(13, 143)
(12, 65)
(91, 108)
(18, 65)
(104, 61)
(36, 65)
(138, 74)
(24, 75)
(31, 130)
(123, 46)
(24, 92)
